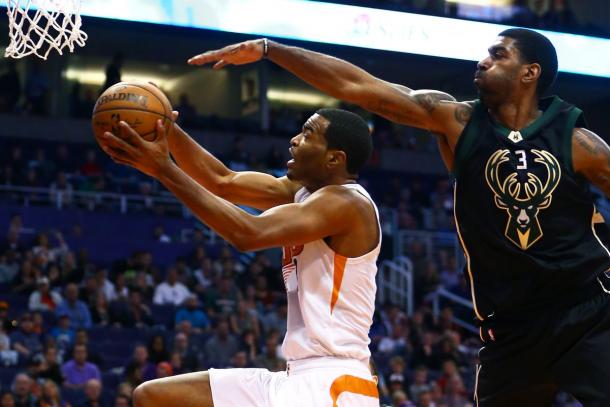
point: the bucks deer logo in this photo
(523, 201)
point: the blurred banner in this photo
(349, 25)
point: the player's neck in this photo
(516, 114)
(332, 180)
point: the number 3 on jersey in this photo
(289, 266)
(522, 159)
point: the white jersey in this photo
(331, 298)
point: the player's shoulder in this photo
(340, 197)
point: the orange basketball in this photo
(137, 103)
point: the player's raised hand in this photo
(236, 54)
(129, 148)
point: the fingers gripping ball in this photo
(137, 103)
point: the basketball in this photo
(139, 104)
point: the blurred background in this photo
(107, 281)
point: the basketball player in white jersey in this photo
(329, 228)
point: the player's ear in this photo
(336, 158)
(532, 73)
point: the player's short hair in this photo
(536, 48)
(349, 133)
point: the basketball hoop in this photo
(38, 26)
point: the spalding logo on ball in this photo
(139, 104)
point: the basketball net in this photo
(39, 26)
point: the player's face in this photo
(501, 69)
(308, 150)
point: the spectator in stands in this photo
(22, 390)
(240, 360)
(9, 266)
(50, 254)
(76, 310)
(221, 346)
(10, 87)
(245, 319)
(8, 176)
(160, 236)
(7, 399)
(269, 359)
(78, 371)
(171, 291)
(122, 401)
(82, 338)
(63, 333)
(24, 340)
(204, 275)
(61, 190)
(134, 313)
(277, 319)
(43, 299)
(191, 312)
(424, 354)
(8, 357)
(420, 382)
(6, 323)
(397, 374)
(455, 393)
(100, 314)
(45, 168)
(139, 369)
(164, 369)
(157, 349)
(63, 160)
(91, 168)
(93, 394)
(400, 399)
(49, 367)
(50, 396)
(190, 359)
(25, 280)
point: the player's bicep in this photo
(300, 223)
(425, 109)
(258, 190)
(591, 158)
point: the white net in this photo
(39, 26)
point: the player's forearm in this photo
(232, 223)
(197, 162)
(333, 76)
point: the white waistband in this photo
(327, 362)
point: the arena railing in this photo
(442, 296)
(395, 283)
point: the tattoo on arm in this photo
(590, 144)
(428, 101)
(463, 113)
(599, 154)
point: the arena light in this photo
(300, 97)
(96, 77)
(349, 25)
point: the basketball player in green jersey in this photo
(538, 272)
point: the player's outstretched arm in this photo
(591, 158)
(328, 212)
(254, 189)
(428, 109)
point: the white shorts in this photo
(316, 382)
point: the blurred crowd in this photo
(77, 333)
